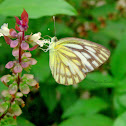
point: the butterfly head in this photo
(54, 39)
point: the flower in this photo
(40, 43)
(4, 31)
(35, 37)
(23, 23)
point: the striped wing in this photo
(72, 58)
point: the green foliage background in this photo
(99, 100)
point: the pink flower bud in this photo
(20, 101)
(26, 54)
(13, 88)
(32, 61)
(9, 65)
(27, 37)
(6, 78)
(14, 43)
(25, 64)
(3, 107)
(16, 110)
(29, 76)
(15, 52)
(24, 88)
(20, 34)
(19, 94)
(17, 68)
(13, 33)
(5, 93)
(32, 82)
(24, 46)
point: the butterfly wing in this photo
(72, 58)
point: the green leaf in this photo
(104, 10)
(8, 121)
(48, 93)
(42, 70)
(36, 8)
(119, 108)
(120, 96)
(121, 120)
(118, 60)
(2, 19)
(67, 100)
(86, 107)
(2, 87)
(91, 120)
(115, 29)
(97, 80)
(61, 29)
(23, 122)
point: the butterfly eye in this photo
(54, 39)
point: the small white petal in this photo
(35, 37)
(40, 43)
(1, 34)
(4, 30)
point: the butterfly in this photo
(72, 58)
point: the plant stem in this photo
(2, 115)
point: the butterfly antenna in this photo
(47, 36)
(54, 24)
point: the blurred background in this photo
(99, 100)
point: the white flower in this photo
(4, 31)
(35, 37)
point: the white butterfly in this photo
(72, 58)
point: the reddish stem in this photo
(20, 53)
(2, 115)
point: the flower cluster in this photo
(18, 84)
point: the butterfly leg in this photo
(45, 50)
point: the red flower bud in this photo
(24, 14)
(17, 20)
(17, 28)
